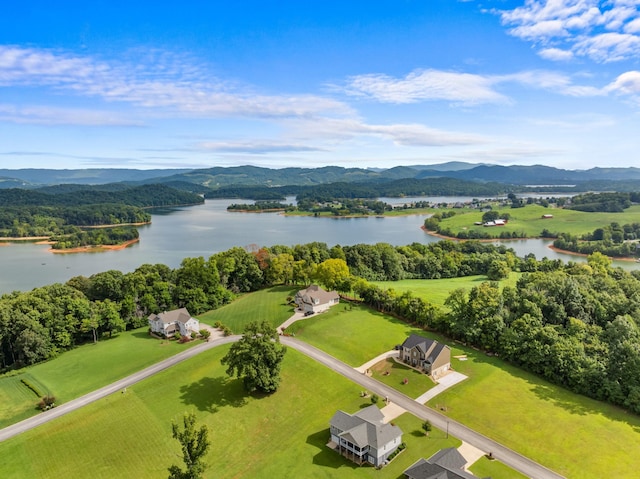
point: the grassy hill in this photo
(529, 220)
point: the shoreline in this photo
(94, 248)
(557, 250)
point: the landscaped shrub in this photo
(31, 386)
(375, 398)
(226, 331)
(47, 402)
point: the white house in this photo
(315, 299)
(363, 436)
(170, 322)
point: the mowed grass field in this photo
(436, 291)
(529, 220)
(282, 435)
(81, 370)
(571, 434)
(268, 304)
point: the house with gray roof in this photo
(444, 464)
(170, 322)
(364, 437)
(426, 354)
(314, 299)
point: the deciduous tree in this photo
(195, 444)
(257, 358)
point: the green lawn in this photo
(529, 219)
(393, 374)
(282, 435)
(436, 291)
(536, 418)
(267, 304)
(352, 333)
(484, 467)
(82, 370)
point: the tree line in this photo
(573, 324)
(614, 240)
(39, 324)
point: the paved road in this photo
(70, 406)
(507, 456)
(511, 458)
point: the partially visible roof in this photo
(435, 352)
(180, 315)
(444, 464)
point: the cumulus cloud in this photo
(556, 54)
(602, 30)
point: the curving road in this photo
(511, 458)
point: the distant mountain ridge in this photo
(217, 177)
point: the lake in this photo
(207, 229)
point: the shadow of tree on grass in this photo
(210, 394)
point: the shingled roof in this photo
(444, 464)
(365, 427)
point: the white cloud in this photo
(39, 115)
(556, 54)
(175, 86)
(459, 88)
(628, 84)
(255, 147)
(602, 30)
(399, 134)
(420, 85)
(609, 47)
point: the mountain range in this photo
(216, 177)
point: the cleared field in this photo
(81, 370)
(282, 435)
(436, 291)
(538, 419)
(529, 219)
(267, 304)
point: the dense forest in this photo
(98, 236)
(607, 202)
(55, 210)
(612, 240)
(397, 188)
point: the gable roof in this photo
(315, 292)
(415, 340)
(177, 315)
(365, 428)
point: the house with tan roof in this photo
(314, 299)
(364, 437)
(170, 322)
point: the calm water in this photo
(209, 228)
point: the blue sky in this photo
(195, 84)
